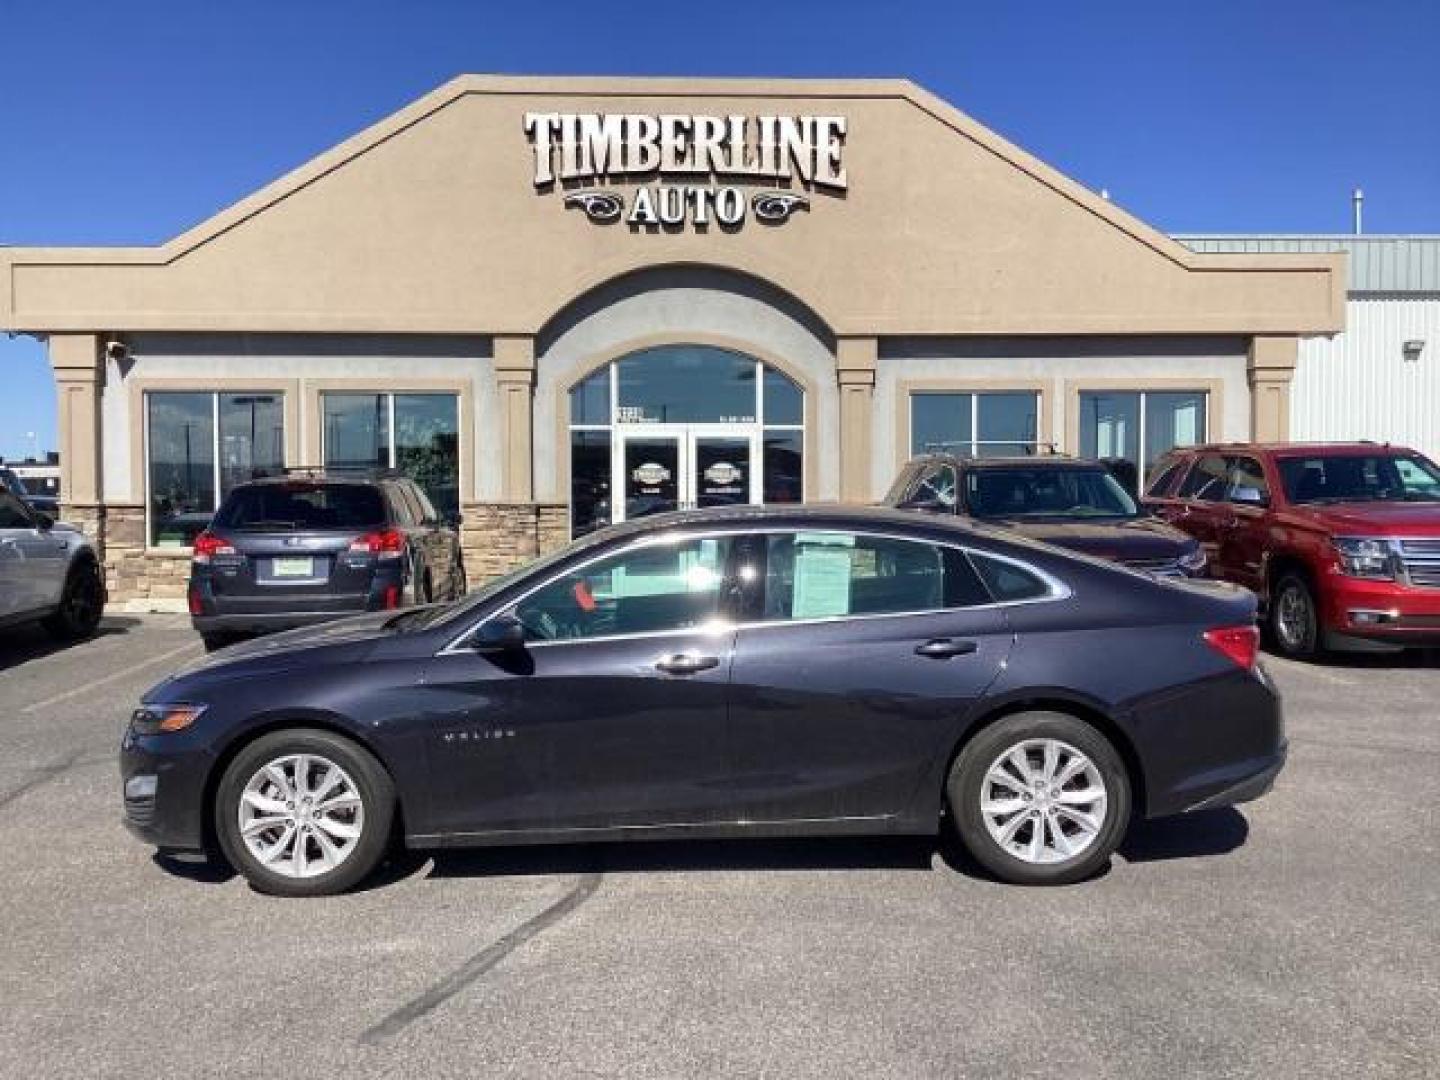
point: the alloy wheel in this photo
(1292, 616)
(1043, 801)
(301, 815)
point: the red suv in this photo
(1340, 540)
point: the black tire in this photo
(373, 785)
(82, 603)
(1293, 620)
(213, 642)
(967, 782)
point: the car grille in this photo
(1163, 567)
(1422, 562)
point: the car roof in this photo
(317, 478)
(1293, 449)
(1060, 461)
(830, 515)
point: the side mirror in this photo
(43, 521)
(499, 633)
(454, 520)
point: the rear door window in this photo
(302, 507)
(1207, 480)
(822, 575)
(935, 488)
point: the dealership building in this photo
(559, 302)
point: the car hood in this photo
(1375, 518)
(285, 651)
(1126, 538)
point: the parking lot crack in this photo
(45, 773)
(483, 961)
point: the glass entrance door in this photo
(649, 475)
(682, 466)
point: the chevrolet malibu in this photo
(739, 672)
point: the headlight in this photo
(1192, 562)
(1365, 557)
(159, 719)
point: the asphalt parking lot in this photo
(1299, 936)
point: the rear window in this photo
(296, 507)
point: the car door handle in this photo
(944, 648)
(686, 663)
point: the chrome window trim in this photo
(1056, 589)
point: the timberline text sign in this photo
(576, 150)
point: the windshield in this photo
(302, 506)
(1037, 491)
(1320, 478)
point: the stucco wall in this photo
(300, 362)
(1061, 367)
(683, 304)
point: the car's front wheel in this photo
(81, 604)
(304, 813)
(1294, 619)
(1040, 798)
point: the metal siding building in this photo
(1360, 384)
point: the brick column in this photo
(855, 366)
(78, 365)
(515, 376)
(1270, 368)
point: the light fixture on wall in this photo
(1412, 349)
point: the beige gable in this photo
(431, 222)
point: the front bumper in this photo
(171, 817)
(1359, 612)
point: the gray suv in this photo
(48, 572)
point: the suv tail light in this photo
(207, 545)
(1238, 644)
(385, 544)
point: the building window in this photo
(711, 425)
(200, 445)
(1140, 426)
(415, 434)
(986, 424)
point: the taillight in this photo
(197, 606)
(207, 545)
(1239, 644)
(391, 598)
(384, 544)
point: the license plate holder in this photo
(284, 567)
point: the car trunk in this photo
(271, 566)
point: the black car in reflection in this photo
(732, 672)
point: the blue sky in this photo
(125, 123)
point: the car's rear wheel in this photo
(1040, 798)
(82, 602)
(1294, 619)
(304, 813)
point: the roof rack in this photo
(371, 472)
(1030, 447)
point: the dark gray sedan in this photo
(737, 672)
